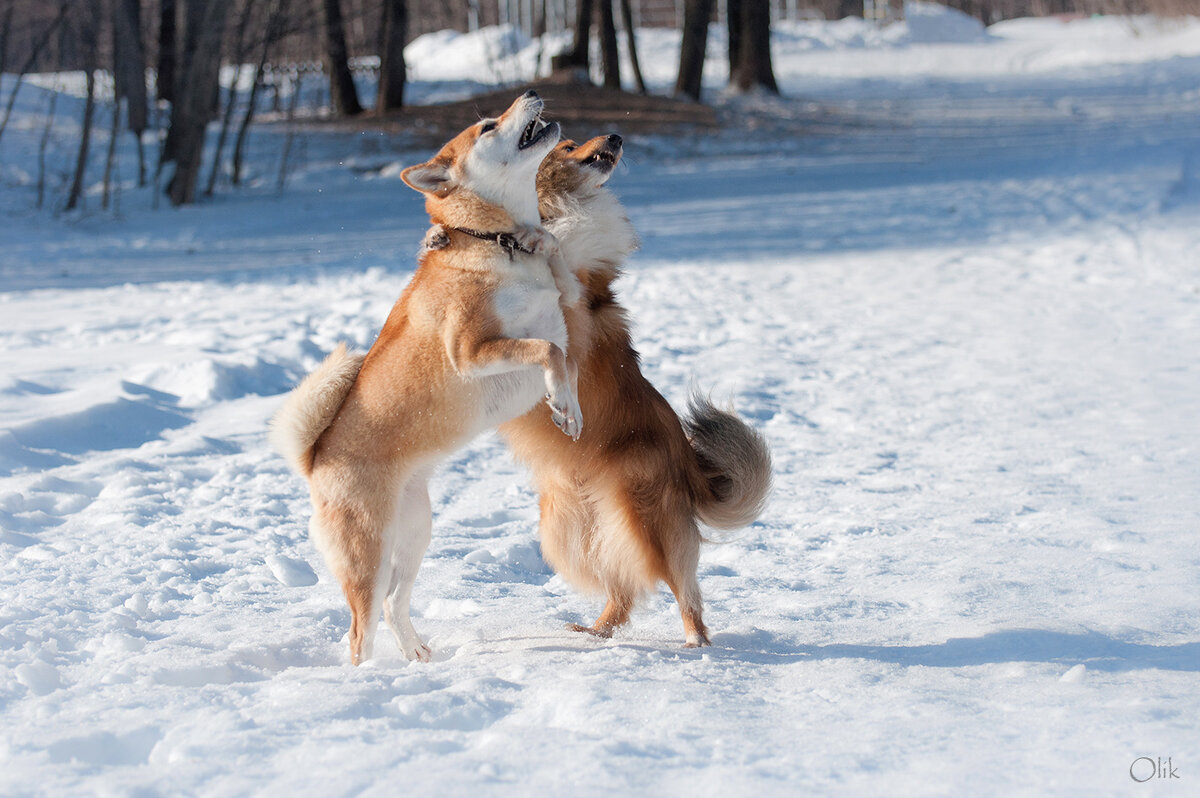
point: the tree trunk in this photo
(754, 52)
(341, 81)
(610, 60)
(87, 34)
(239, 146)
(226, 122)
(195, 90)
(5, 29)
(239, 56)
(45, 140)
(110, 158)
(275, 25)
(129, 71)
(578, 57)
(34, 53)
(850, 8)
(733, 25)
(392, 69)
(167, 45)
(696, 14)
(627, 20)
(285, 160)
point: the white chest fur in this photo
(527, 305)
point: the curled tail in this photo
(735, 463)
(310, 408)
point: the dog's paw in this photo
(566, 415)
(418, 653)
(569, 287)
(591, 630)
(436, 237)
(537, 240)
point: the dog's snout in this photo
(530, 95)
(614, 140)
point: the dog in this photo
(477, 338)
(619, 506)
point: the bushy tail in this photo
(734, 461)
(311, 407)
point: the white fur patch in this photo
(531, 311)
(593, 230)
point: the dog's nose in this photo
(614, 140)
(530, 95)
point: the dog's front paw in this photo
(566, 415)
(436, 237)
(537, 240)
(569, 287)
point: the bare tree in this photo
(627, 21)
(392, 69)
(276, 24)
(168, 13)
(285, 160)
(578, 56)
(48, 126)
(5, 29)
(849, 8)
(129, 72)
(337, 57)
(195, 92)
(609, 59)
(733, 27)
(110, 157)
(89, 24)
(35, 51)
(696, 14)
(752, 68)
(239, 56)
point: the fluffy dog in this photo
(619, 507)
(477, 338)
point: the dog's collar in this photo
(507, 241)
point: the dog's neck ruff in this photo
(507, 241)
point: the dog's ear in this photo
(432, 177)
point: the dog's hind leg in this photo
(363, 598)
(623, 553)
(408, 537)
(615, 615)
(351, 546)
(682, 561)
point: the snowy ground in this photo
(963, 304)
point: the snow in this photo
(956, 287)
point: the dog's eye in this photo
(487, 127)
(569, 149)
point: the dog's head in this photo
(592, 228)
(494, 159)
(573, 172)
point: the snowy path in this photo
(978, 366)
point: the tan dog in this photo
(619, 507)
(477, 338)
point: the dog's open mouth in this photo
(602, 159)
(534, 132)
